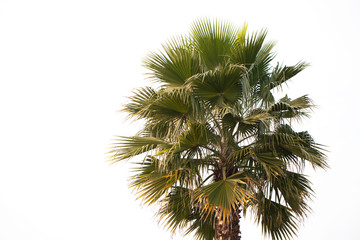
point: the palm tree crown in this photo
(216, 143)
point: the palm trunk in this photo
(230, 229)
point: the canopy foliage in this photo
(215, 138)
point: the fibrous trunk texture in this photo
(229, 229)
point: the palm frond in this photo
(276, 220)
(174, 65)
(293, 189)
(128, 147)
(281, 74)
(223, 196)
(213, 41)
(221, 86)
(139, 104)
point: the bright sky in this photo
(67, 66)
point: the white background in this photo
(67, 66)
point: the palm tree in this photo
(215, 143)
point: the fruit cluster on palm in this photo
(215, 143)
